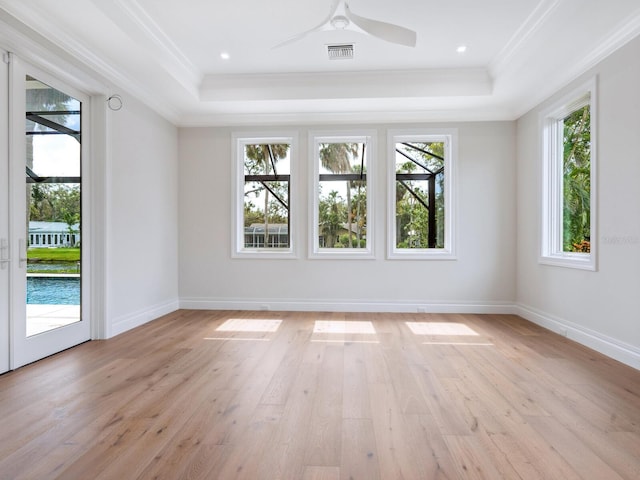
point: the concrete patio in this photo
(42, 318)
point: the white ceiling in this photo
(167, 53)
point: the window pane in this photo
(342, 195)
(419, 195)
(266, 214)
(576, 176)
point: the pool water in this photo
(53, 290)
(53, 267)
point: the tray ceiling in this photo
(169, 54)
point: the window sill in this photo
(342, 254)
(265, 254)
(569, 260)
(422, 254)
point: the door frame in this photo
(4, 212)
(23, 349)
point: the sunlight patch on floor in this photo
(343, 327)
(249, 325)
(236, 339)
(343, 341)
(441, 328)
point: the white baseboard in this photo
(344, 306)
(620, 351)
(127, 322)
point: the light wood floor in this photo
(266, 395)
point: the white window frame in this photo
(450, 138)
(551, 126)
(369, 138)
(239, 141)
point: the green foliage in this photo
(51, 202)
(338, 157)
(412, 196)
(66, 260)
(271, 211)
(252, 214)
(331, 214)
(577, 181)
(343, 242)
(53, 255)
(258, 160)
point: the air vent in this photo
(340, 52)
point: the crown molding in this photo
(136, 23)
(620, 36)
(418, 116)
(32, 37)
(337, 85)
(32, 47)
(534, 21)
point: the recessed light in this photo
(461, 49)
(225, 56)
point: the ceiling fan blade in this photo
(325, 25)
(295, 38)
(385, 31)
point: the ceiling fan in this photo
(342, 18)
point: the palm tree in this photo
(336, 157)
(330, 214)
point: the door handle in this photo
(4, 253)
(22, 250)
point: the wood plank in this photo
(398, 452)
(356, 402)
(325, 423)
(585, 461)
(286, 455)
(277, 391)
(439, 400)
(321, 473)
(359, 453)
(182, 454)
(473, 461)
(432, 451)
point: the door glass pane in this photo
(53, 189)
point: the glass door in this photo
(46, 156)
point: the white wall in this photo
(481, 279)
(142, 245)
(600, 309)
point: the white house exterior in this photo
(53, 234)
